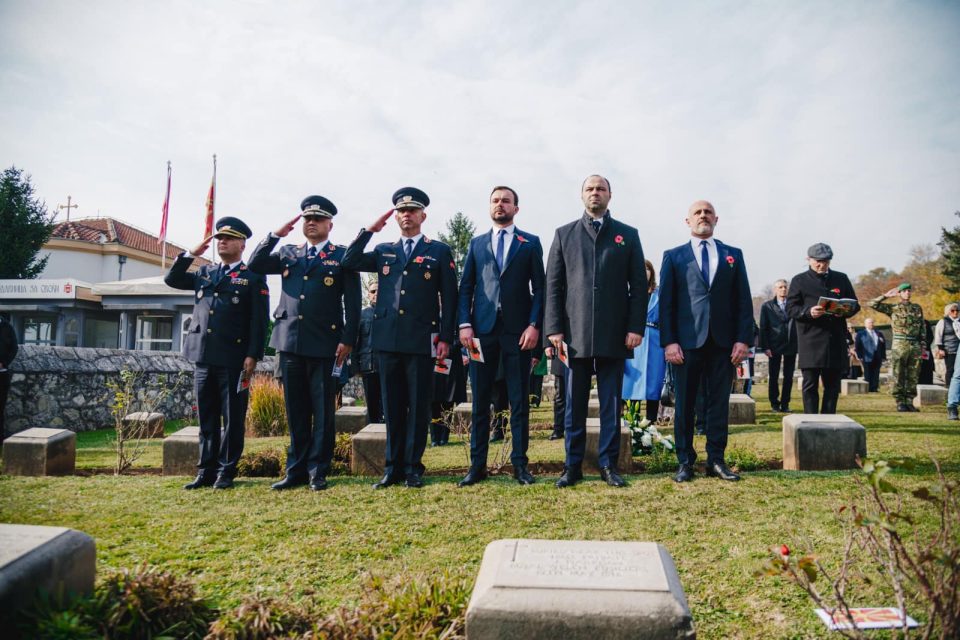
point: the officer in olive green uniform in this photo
(908, 343)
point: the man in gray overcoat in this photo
(596, 304)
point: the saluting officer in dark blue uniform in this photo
(315, 327)
(225, 339)
(414, 318)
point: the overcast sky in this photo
(801, 121)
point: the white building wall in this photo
(93, 267)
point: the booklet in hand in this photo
(842, 307)
(563, 354)
(442, 366)
(476, 353)
(243, 384)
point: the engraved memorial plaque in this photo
(581, 564)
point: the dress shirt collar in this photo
(416, 240)
(509, 235)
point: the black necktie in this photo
(408, 247)
(311, 253)
(596, 225)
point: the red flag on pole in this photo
(211, 200)
(166, 210)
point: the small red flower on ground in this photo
(784, 550)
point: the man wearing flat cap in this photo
(821, 333)
(225, 339)
(909, 341)
(414, 323)
(315, 327)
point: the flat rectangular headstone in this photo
(742, 409)
(591, 455)
(853, 387)
(819, 442)
(152, 421)
(369, 450)
(593, 408)
(930, 395)
(40, 452)
(51, 559)
(577, 589)
(181, 452)
(350, 419)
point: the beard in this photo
(503, 216)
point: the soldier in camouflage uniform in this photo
(908, 343)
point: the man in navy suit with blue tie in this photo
(501, 305)
(706, 324)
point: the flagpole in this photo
(163, 225)
(213, 204)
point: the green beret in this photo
(904, 286)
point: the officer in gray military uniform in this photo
(315, 329)
(225, 339)
(415, 316)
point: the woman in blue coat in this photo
(643, 374)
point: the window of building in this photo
(71, 332)
(101, 333)
(154, 333)
(40, 330)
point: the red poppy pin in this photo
(234, 274)
(836, 291)
(418, 259)
(520, 238)
(323, 255)
(452, 265)
(618, 239)
(730, 261)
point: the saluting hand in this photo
(891, 293)
(201, 248)
(287, 228)
(381, 221)
(633, 340)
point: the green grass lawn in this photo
(317, 546)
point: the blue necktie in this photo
(409, 248)
(705, 262)
(596, 225)
(312, 252)
(503, 232)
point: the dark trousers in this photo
(373, 396)
(871, 373)
(781, 399)
(711, 364)
(407, 381)
(609, 385)
(5, 389)
(439, 429)
(310, 395)
(831, 389)
(222, 412)
(561, 418)
(536, 389)
(516, 369)
(950, 360)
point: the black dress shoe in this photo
(223, 482)
(612, 478)
(473, 477)
(902, 408)
(288, 483)
(414, 481)
(318, 484)
(386, 481)
(556, 435)
(774, 408)
(785, 408)
(912, 409)
(200, 481)
(684, 473)
(570, 477)
(523, 476)
(722, 471)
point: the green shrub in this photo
(266, 413)
(744, 460)
(266, 463)
(259, 618)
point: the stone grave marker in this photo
(369, 450)
(40, 452)
(577, 590)
(853, 387)
(742, 409)
(818, 442)
(36, 558)
(590, 456)
(351, 419)
(181, 451)
(930, 395)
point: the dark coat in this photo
(690, 312)
(596, 288)
(778, 331)
(415, 299)
(822, 342)
(518, 290)
(319, 301)
(863, 345)
(229, 321)
(363, 354)
(8, 343)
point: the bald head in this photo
(702, 219)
